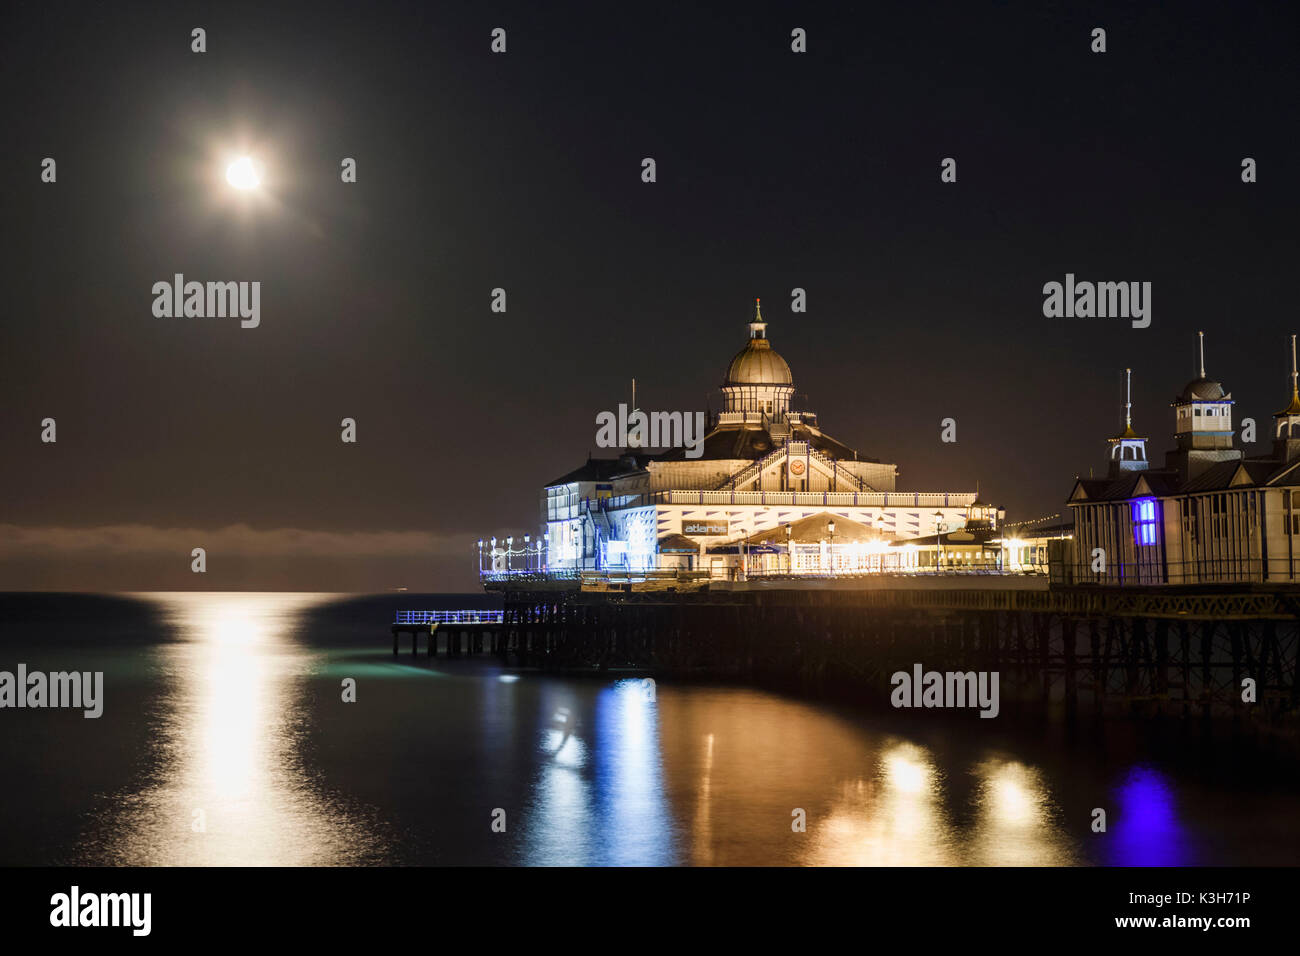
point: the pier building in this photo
(1210, 515)
(766, 467)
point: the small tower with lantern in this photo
(1128, 449)
(1286, 423)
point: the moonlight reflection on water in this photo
(250, 756)
(226, 784)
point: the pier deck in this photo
(1150, 649)
(1174, 649)
(463, 631)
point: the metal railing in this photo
(449, 617)
(519, 575)
(1142, 574)
(750, 472)
(621, 576)
(856, 499)
(956, 570)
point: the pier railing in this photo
(619, 576)
(858, 499)
(985, 570)
(449, 617)
(559, 574)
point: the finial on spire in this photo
(1294, 390)
(1128, 398)
(757, 325)
(1128, 433)
(1201, 337)
(1294, 407)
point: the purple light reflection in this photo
(1144, 829)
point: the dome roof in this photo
(758, 364)
(1202, 390)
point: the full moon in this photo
(241, 174)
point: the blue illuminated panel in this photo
(1144, 521)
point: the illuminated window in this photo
(1144, 521)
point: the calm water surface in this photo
(225, 741)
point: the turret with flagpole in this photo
(1203, 429)
(1128, 449)
(1286, 423)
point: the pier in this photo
(464, 632)
(1132, 650)
(1071, 649)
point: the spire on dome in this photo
(1286, 423)
(1294, 407)
(1202, 388)
(1128, 449)
(1128, 398)
(758, 328)
(1128, 431)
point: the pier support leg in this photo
(1069, 633)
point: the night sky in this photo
(523, 171)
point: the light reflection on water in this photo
(1146, 828)
(630, 798)
(1016, 820)
(227, 786)
(587, 771)
(892, 816)
(869, 799)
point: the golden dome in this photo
(758, 363)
